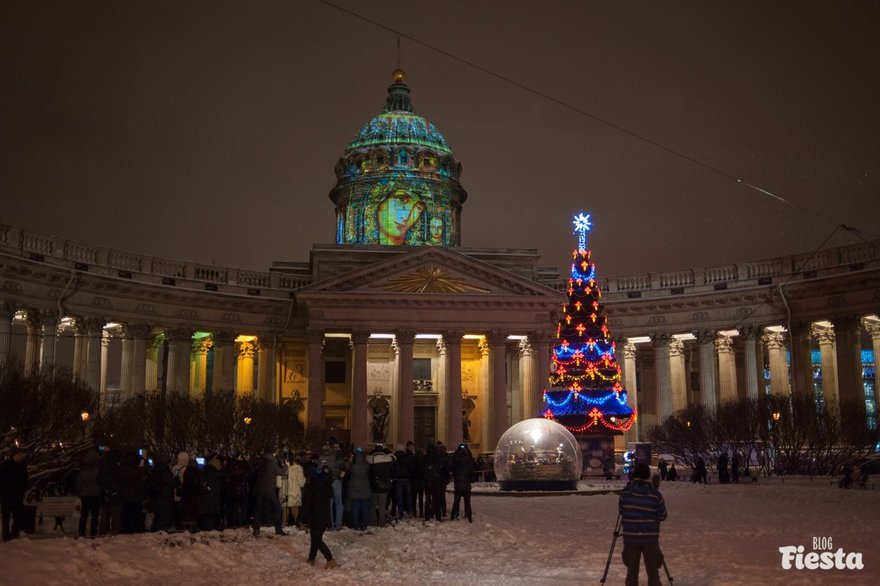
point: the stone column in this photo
(485, 393)
(94, 328)
(775, 342)
(127, 370)
(139, 333)
(198, 372)
(749, 336)
(247, 352)
(664, 376)
(873, 329)
(801, 361)
(7, 311)
(541, 344)
(405, 417)
(80, 348)
(49, 336)
(32, 345)
(223, 373)
(631, 385)
(358, 416)
(105, 351)
(314, 409)
(154, 347)
(267, 371)
(708, 375)
(528, 382)
(850, 386)
(677, 374)
(498, 387)
(825, 337)
(726, 368)
(454, 421)
(440, 387)
(179, 348)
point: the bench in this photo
(58, 507)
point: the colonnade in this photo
(666, 372)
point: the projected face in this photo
(396, 214)
(436, 230)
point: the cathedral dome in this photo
(397, 181)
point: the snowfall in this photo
(715, 534)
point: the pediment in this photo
(431, 270)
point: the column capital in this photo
(404, 336)
(246, 349)
(749, 332)
(359, 337)
(676, 347)
(525, 347)
(179, 334)
(724, 344)
(452, 337)
(823, 334)
(496, 337)
(846, 324)
(660, 340)
(705, 336)
(202, 345)
(92, 326)
(223, 338)
(871, 326)
(630, 351)
(137, 330)
(774, 340)
(441, 346)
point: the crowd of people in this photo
(325, 489)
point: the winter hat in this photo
(642, 471)
(215, 462)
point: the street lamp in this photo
(85, 418)
(775, 416)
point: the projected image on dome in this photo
(396, 212)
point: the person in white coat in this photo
(290, 490)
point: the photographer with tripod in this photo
(641, 508)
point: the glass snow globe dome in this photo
(538, 454)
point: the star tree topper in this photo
(582, 225)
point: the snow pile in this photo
(716, 534)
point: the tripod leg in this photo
(666, 569)
(611, 551)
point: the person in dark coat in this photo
(13, 485)
(434, 476)
(734, 467)
(316, 504)
(208, 499)
(266, 492)
(237, 489)
(462, 476)
(381, 464)
(359, 490)
(661, 467)
(111, 504)
(641, 509)
(89, 492)
(418, 483)
(161, 484)
(700, 471)
(132, 489)
(672, 475)
(402, 480)
(723, 474)
(446, 469)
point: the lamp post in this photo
(85, 418)
(775, 416)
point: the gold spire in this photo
(398, 75)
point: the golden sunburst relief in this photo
(429, 279)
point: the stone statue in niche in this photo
(467, 407)
(379, 411)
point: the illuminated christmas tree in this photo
(586, 395)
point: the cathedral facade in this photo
(395, 332)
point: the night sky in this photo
(209, 131)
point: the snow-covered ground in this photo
(715, 535)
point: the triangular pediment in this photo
(430, 270)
